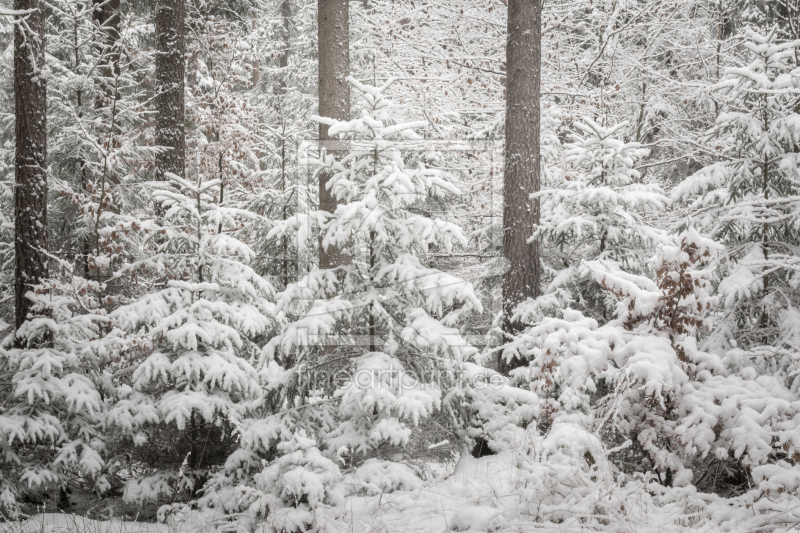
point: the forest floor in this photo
(462, 497)
(498, 494)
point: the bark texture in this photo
(522, 163)
(334, 98)
(283, 61)
(170, 126)
(106, 15)
(30, 195)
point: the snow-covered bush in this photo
(383, 477)
(655, 362)
(645, 378)
(497, 409)
(295, 488)
(747, 201)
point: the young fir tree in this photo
(99, 140)
(385, 315)
(386, 310)
(59, 376)
(53, 405)
(594, 215)
(748, 200)
(285, 98)
(190, 343)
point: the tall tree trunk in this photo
(522, 162)
(170, 127)
(106, 15)
(30, 194)
(279, 89)
(256, 62)
(283, 60)
(334, 99)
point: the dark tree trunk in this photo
(30, 195)
(106, 15)
(283, 61)
(522, 165)
(334, 99)
(256, 62)
(170, 127)
(279, 89)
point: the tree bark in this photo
(106, 15)
(522, 160)
(283, 61)
(334, 100)
(280, 89)
(256, 62)
(30, 194)
(170, 127)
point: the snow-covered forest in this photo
(281, 266)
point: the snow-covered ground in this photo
(501, 493)
(465, 499)
(66, 523)
(470, 495)
(476, 491)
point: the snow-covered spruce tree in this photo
(99, 142)
(593, 215)
(54, 387)
(385, 310)
(95, 140)
(748, 200)
(369, 349)
(404, 312)
(190, 344)
(285, 97)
